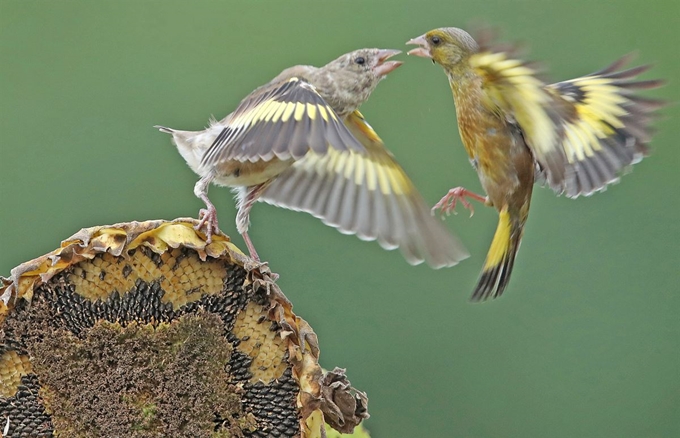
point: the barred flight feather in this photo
(281, 121)
(368, 195)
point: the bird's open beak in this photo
(423, 51)
(384, 66)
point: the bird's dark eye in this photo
(360, 60)
(435, 40)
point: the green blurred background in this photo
(585, 341)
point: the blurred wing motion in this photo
(604, 126)
(513, 91)
(283, 120)
(368, 195)
(582, 132)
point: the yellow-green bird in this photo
(299, 142)
(576, 136)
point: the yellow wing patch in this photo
(372, 171)
(599, 107)
(272, 111)
(276, 108)
(357, 120)
(365, 192)
(378, 168)
(512, 87)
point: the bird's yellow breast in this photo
(502, 160)
(485, 135)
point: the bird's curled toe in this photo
(207, 220)
(447, 204)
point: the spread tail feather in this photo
(500, 258)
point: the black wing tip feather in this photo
(623, 78)
(628, 73)
(648, 105)
(488, 37)
(616, 65)
(648, 84)
(627, 144)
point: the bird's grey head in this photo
(447, 46)
(463, 39)
(348, 81)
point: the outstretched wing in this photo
(283, 120)
(513, 90)
(582, 132)
(604, 126)
(369, 195)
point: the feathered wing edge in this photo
(283, 120)
(605, 126)
(583, 132)
(367, 195)
(513, 89)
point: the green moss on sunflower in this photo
(141, 380)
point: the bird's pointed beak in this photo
(423, 51)
(384, 66)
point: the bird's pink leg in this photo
(251, 247)
(206, 216)
(245, 203)
(448, 203)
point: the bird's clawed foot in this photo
(207, 217)
(447, 204)
(263, 267)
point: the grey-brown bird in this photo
(578, 135)
(299, 142)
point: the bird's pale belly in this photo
(237, 173)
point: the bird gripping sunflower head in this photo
(299, 142)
